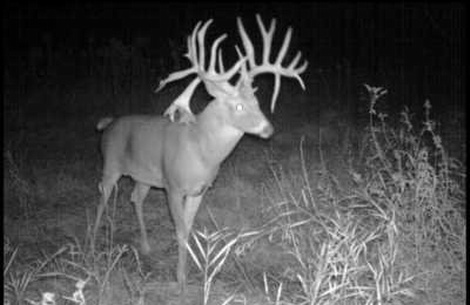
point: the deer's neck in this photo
(216, 137)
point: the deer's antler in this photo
(292, 70)
(216, 78)
(210, 76)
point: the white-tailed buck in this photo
(184, 156)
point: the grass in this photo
(386, 238)
(324, 213)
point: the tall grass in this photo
(396, 236)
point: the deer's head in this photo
(237, 102)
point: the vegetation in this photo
(374, 214)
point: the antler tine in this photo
(221, 63)
(291, 70)
(222, 76)
(191, 55)
(210, 76)
(247, 44)
(200, 40)
(267, 37)
(214, 52)
(181, 103)
(299, 70)
(285, 46)
(192, 48)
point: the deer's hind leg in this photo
(106, 186)
(137, 197)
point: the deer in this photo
(181, 152)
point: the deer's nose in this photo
(267, 130)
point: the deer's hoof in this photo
(145, 248)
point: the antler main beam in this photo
(215, 77)
(292, 70)
(215, 72)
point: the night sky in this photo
(399, 43)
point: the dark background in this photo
(415, 50)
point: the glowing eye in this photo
(239, 107)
